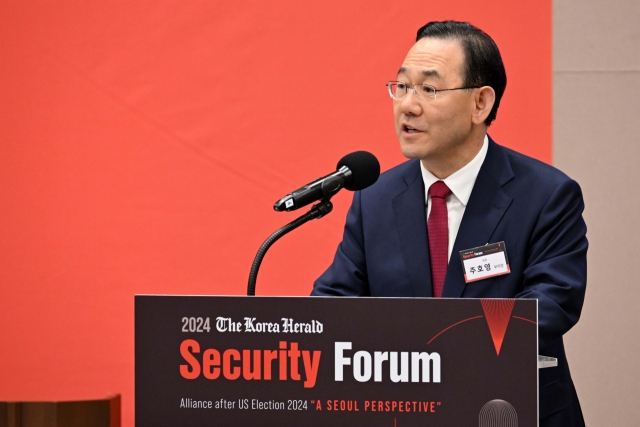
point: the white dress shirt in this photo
(460, 183)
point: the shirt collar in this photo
(460, 182)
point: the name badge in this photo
(484, 261)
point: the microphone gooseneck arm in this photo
(355, 171)
(317, 211)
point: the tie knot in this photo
(439, 189)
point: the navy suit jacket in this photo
(534, 208)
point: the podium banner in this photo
(322, 361)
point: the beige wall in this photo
(596, 119)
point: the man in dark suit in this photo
(473, 192)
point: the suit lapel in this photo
(411, 222)
(486, 207)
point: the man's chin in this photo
(410, 151)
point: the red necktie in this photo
(438, 230)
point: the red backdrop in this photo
(143, 145)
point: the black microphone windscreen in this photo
(365, 169)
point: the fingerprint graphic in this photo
(498, 413)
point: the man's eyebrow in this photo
(426, 73)
(431, 73)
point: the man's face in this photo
(434, 130)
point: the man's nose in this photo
(409, 104)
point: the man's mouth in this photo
(409, 129)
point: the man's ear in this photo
(484, 99)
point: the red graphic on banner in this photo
(498, 313)
(449, 327)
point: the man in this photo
(473, 192)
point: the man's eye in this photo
(402, 86)
(428, 90)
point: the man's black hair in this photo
(483, 63)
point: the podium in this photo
(78, 413)
(328, 361)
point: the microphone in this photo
(354, 171)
